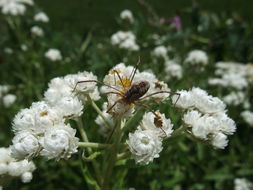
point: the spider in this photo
(133, 92)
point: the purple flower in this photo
(176, 22)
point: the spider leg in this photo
(117, 93)
(96, 82)
(119, 78)
(135, 69)
(163, 91)
(112, 106)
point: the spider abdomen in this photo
(135, 91)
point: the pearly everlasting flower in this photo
(219, 141)
(24, 47)
(234, 75)
(160, 51)
(26, 177)
(3, 89)
(38, 118)
(197, 57)
(124, 40)
(127, 15)
(59, 142)
(184, 101)
(206, 117)
(9, 99)
(41, 17)
(19, 168)
(10, 167)
(235, 98)
(37, 31)
(24, 146)
(159, 124)
(12, 7)
(242, 184)
(173, 70)
(206, 103)
(69, 107)
(248, 117)
(57, 89)
(144, 145)
(53, 55)
(8, 50)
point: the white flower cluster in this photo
(145, 143)
(248, 117)
(206, 117)
(43, 128)
(53, 55)
(242, 184)
(160, 51)
(10, 167)
(14, 7)
(232, 75)
(173, 70)
(127, 15)
(122, 85)
(41, 17)
(124, 40)
(238, 78)
(37, 31)
(7, 99)
(197, 57)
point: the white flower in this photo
(206, 103)
(144, 145)
(235, 98)
(242, 184)
(57, 89)
(37, 31)
(24, 47)
(59, 142)
(127, 15)
(191, 118)
(26, 177)
(8, 50)
(160, 125)
(12, 7)
(69, 107)
(173, 70)
(24, 146)
(37, 119)
(220, 140)
(160, 51)
(185, 100)
(9, 99)
(53, 55)
(198, 57)
(3, 89)
(248, 117)
(21, 167)
(124, 40)
(41, 17)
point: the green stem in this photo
(93, 145)
(178, 132)
(112, 156)
(85, 139)
(94, 105)
(123, 155)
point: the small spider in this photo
(133, 92)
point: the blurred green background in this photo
(88, 13)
